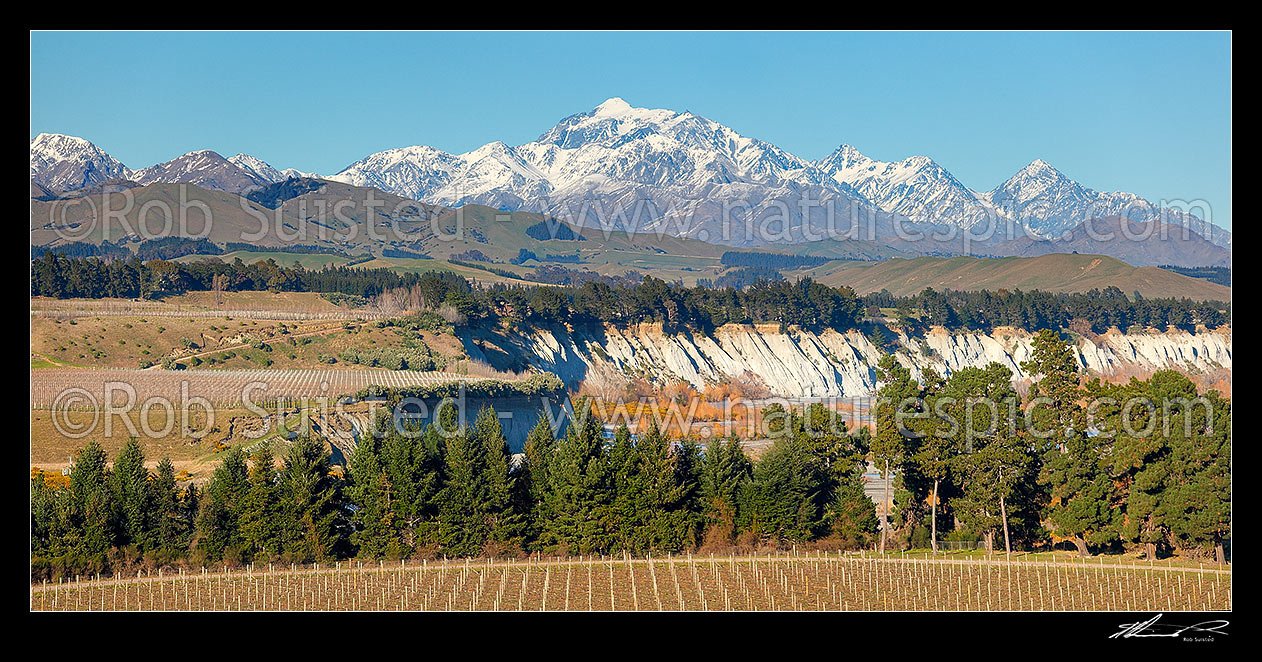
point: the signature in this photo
(1152, 628)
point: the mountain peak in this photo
(848, 151)
(207, 169)
(64, 163)
(612, 106)
(205, 153)
(49, 138)
(1041, 167)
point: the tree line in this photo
(771, 260)
(59, 276)
(409, 493)
(1095, 310)
(620, 300)
(1101, 466)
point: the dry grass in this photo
(51, 449)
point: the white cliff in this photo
(796, 363)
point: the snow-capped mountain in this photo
(616, 155)
(1052, 205)
(263, 170)
(916, 187)
(203, 168)
(614, 166)
(414, 172)
(1039, 197)
(64, 163)
(257, 167)
(618, 166)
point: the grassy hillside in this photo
(335, 215)
(1059, 272)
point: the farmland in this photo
(222, 388)
(276, 333)
(773, 582)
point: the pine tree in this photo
(369, 489)
(1083, 504)
(132, 498)
(660, 521)
(987, 457)
(579, 488)
(851, 515)
(90, 509)
(505, 525)
(624, 512)
(724, 471)
(413, 462)
(218, 518)
(784, 501)
(308, 500)
(171, 525)
(1198, 503)
(258, 514)
(897, 407)
(462, 518)
(531, 486)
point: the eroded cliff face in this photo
(796, 363)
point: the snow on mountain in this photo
(265, 171)
(292, 173)
(640, 168)
(916, 187)
(615, 165)
(1051, 204)
(257, 167)
(206, 169)
(413, 172)
(65, 163)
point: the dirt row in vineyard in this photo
(798, 582)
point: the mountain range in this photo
(678, 173)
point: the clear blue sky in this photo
(1148, 113)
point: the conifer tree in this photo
(463, 510)
(897, 407)
(217, 521)
(531, 486)
(851, 515)
(413, 462)
(660, 521)
(171, 522)
(258, 514)
(308, 500)
(132, 498)
(90, 507)
(724, 470)
(505, 526)
(1197, 506)
(368, 487)
(579, 488)
(1083, 499)
(987, 455)
(624, 467)
(784, 500)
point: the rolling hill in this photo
(1059, 272)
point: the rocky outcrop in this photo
(797, 363)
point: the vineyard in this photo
(222, 388)
(245, 305)
(270, 315)
(786, 582)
